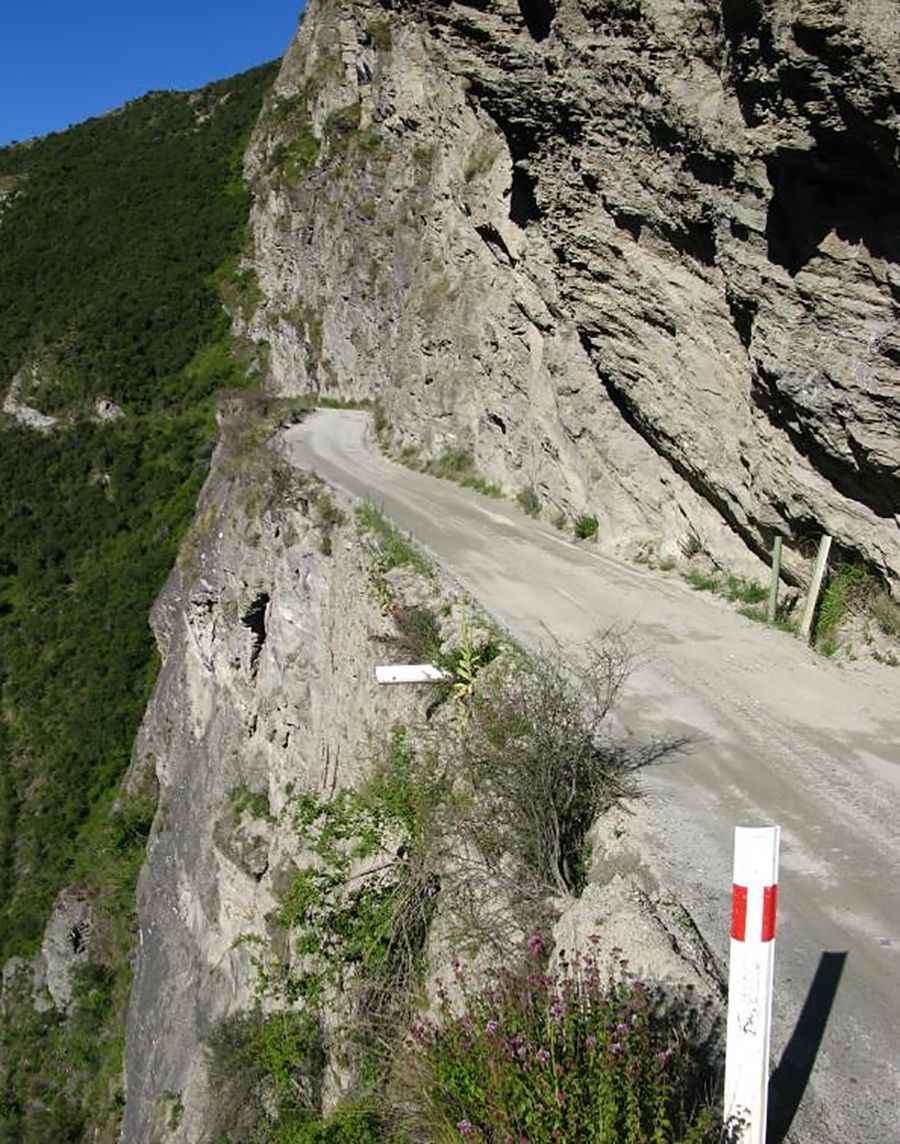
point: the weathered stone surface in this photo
(13, 406)
(640, 256)
(66, 946)
(267, 689)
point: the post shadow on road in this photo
(788, 1082)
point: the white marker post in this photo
(754, 897)
(410, 673)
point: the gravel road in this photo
(780, 735)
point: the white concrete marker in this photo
(754, 896)
(410, 673)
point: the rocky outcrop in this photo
(267, 691)
(27, 384)
(639, 256)
(13, 406)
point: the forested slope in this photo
(118, 238)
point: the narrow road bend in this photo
(780, 734)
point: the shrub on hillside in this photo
(586, 527)
(573, 1055)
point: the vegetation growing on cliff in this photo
(108, 289)
(477, 821)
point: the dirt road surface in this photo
(781, 735)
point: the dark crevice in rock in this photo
(538, 16)
(839, 186)
(714, 170)
(743, 313)
(875, 488)
(523, 207)
(741, 19)
(695, 239)
(78, 934)
(496, 419)
(494, 239)
(633, 417)
(255, 619)
(751, 43)
(630, 223)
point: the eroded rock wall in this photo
(266, 692)
(638, 254)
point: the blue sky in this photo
(62, 61)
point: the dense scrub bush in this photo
(538, 763)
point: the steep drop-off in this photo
(115, 237)
(640, 257)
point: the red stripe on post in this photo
(770, 904)
(738, 912)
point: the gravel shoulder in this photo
(779, 735)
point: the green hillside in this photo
(114, 245)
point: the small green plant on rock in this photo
(330, 517)
(586, 527)
(702, 581)
(379, 32)
(737, 590)
(458, 465)
(529, 501)
(256, 803)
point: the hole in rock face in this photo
(538, 16)
(494, 240)
(496, 419)
(255, 619)
(743, 312)
(523, 207)
(78, 936)
(741, 18)
(840, 186)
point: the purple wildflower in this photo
(464, 1128)
(542, 1056)
(591, 1041)
(491, 1028)
(535, 944)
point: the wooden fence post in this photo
(815, 586)
(773, 587)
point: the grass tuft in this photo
(395, 549)
(848, 592)
(702, 581)
(457, 465)
(529, 501)
(586, 527)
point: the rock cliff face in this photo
(267, 691)
(639, 255)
